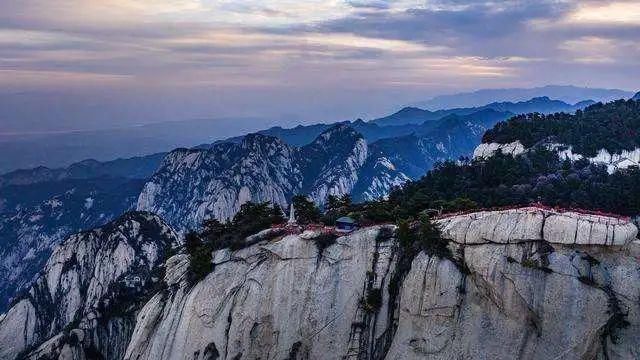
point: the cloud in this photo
(480, 28)
(347, 49)
(370, 5)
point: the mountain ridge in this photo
(566, 93)
(386, 157)
(542, 104)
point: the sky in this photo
(137, 61)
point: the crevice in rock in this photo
(403, 266)
(293, 352)
(616, 322)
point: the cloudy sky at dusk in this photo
(311, 60)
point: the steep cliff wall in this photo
(70, 307)
(512, 292)
(513, 287)
(270, 301)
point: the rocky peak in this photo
(336, 142)
(332, 163)
(263, 144)
(90, 276)
(182, 158)
(194, 185)
(336, 134)
(636, 96)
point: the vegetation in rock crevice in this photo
(252, 218)
(372, 301)
(603, 123)
(323, 241)
(616, 322)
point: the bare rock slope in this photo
(525, 298)
(538, 224)
(514, 292)
(192, 185)
(83, 301)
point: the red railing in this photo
(539, 206)
(298, 229)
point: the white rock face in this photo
(387, 177)
(339, 181)
(267, 301)
(534, 224)
(486, 150)
(81, 278)
(193, 185)
(613, 162)
(504, 310)
(501, 294)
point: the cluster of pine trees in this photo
(612, 126)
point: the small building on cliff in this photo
(346, 224)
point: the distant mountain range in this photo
(30, 150)
(410, 120)
(543, 104)
(140, 167)
(41, 206)
(568, 94)
(63, 148)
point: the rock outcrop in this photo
(84, 299)
(486, 150)
(36, 217)
(613, 162)
(510, 290)
(537, 224)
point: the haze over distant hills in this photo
(39, 207)
(542, 104)
(568, 93)
(63, 148)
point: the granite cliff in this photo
(84, 301)
(515, 286)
